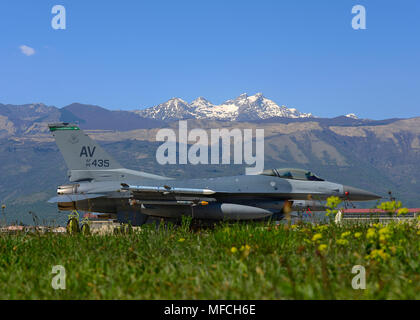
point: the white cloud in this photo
(27, 51)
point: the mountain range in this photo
(27, 119)
(243, 108)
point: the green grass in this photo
(240, 261)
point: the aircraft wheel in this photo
(73, 226)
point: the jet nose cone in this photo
(356, 194)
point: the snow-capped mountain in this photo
(172, 109)
(243, 108)
(352, 116)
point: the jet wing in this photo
(74, 197)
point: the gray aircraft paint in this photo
(102, 185)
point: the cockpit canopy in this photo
(295, 174)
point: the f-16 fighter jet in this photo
(100, 184)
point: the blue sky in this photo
(136, 54)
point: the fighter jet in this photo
(100, 184)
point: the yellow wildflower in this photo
(384, 234)
(379, 254)
(371, 233)
(322, 227)
(390, 206)
(357, 234)
(317, 237)
(345, 234)
(233, 249)
(322, 247)
(245, 250)
(385, 230)
(181, 240)
(402, 211)
(342, 242)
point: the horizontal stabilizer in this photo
(74, 197)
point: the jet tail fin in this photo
(80, 152)
(85, 158)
